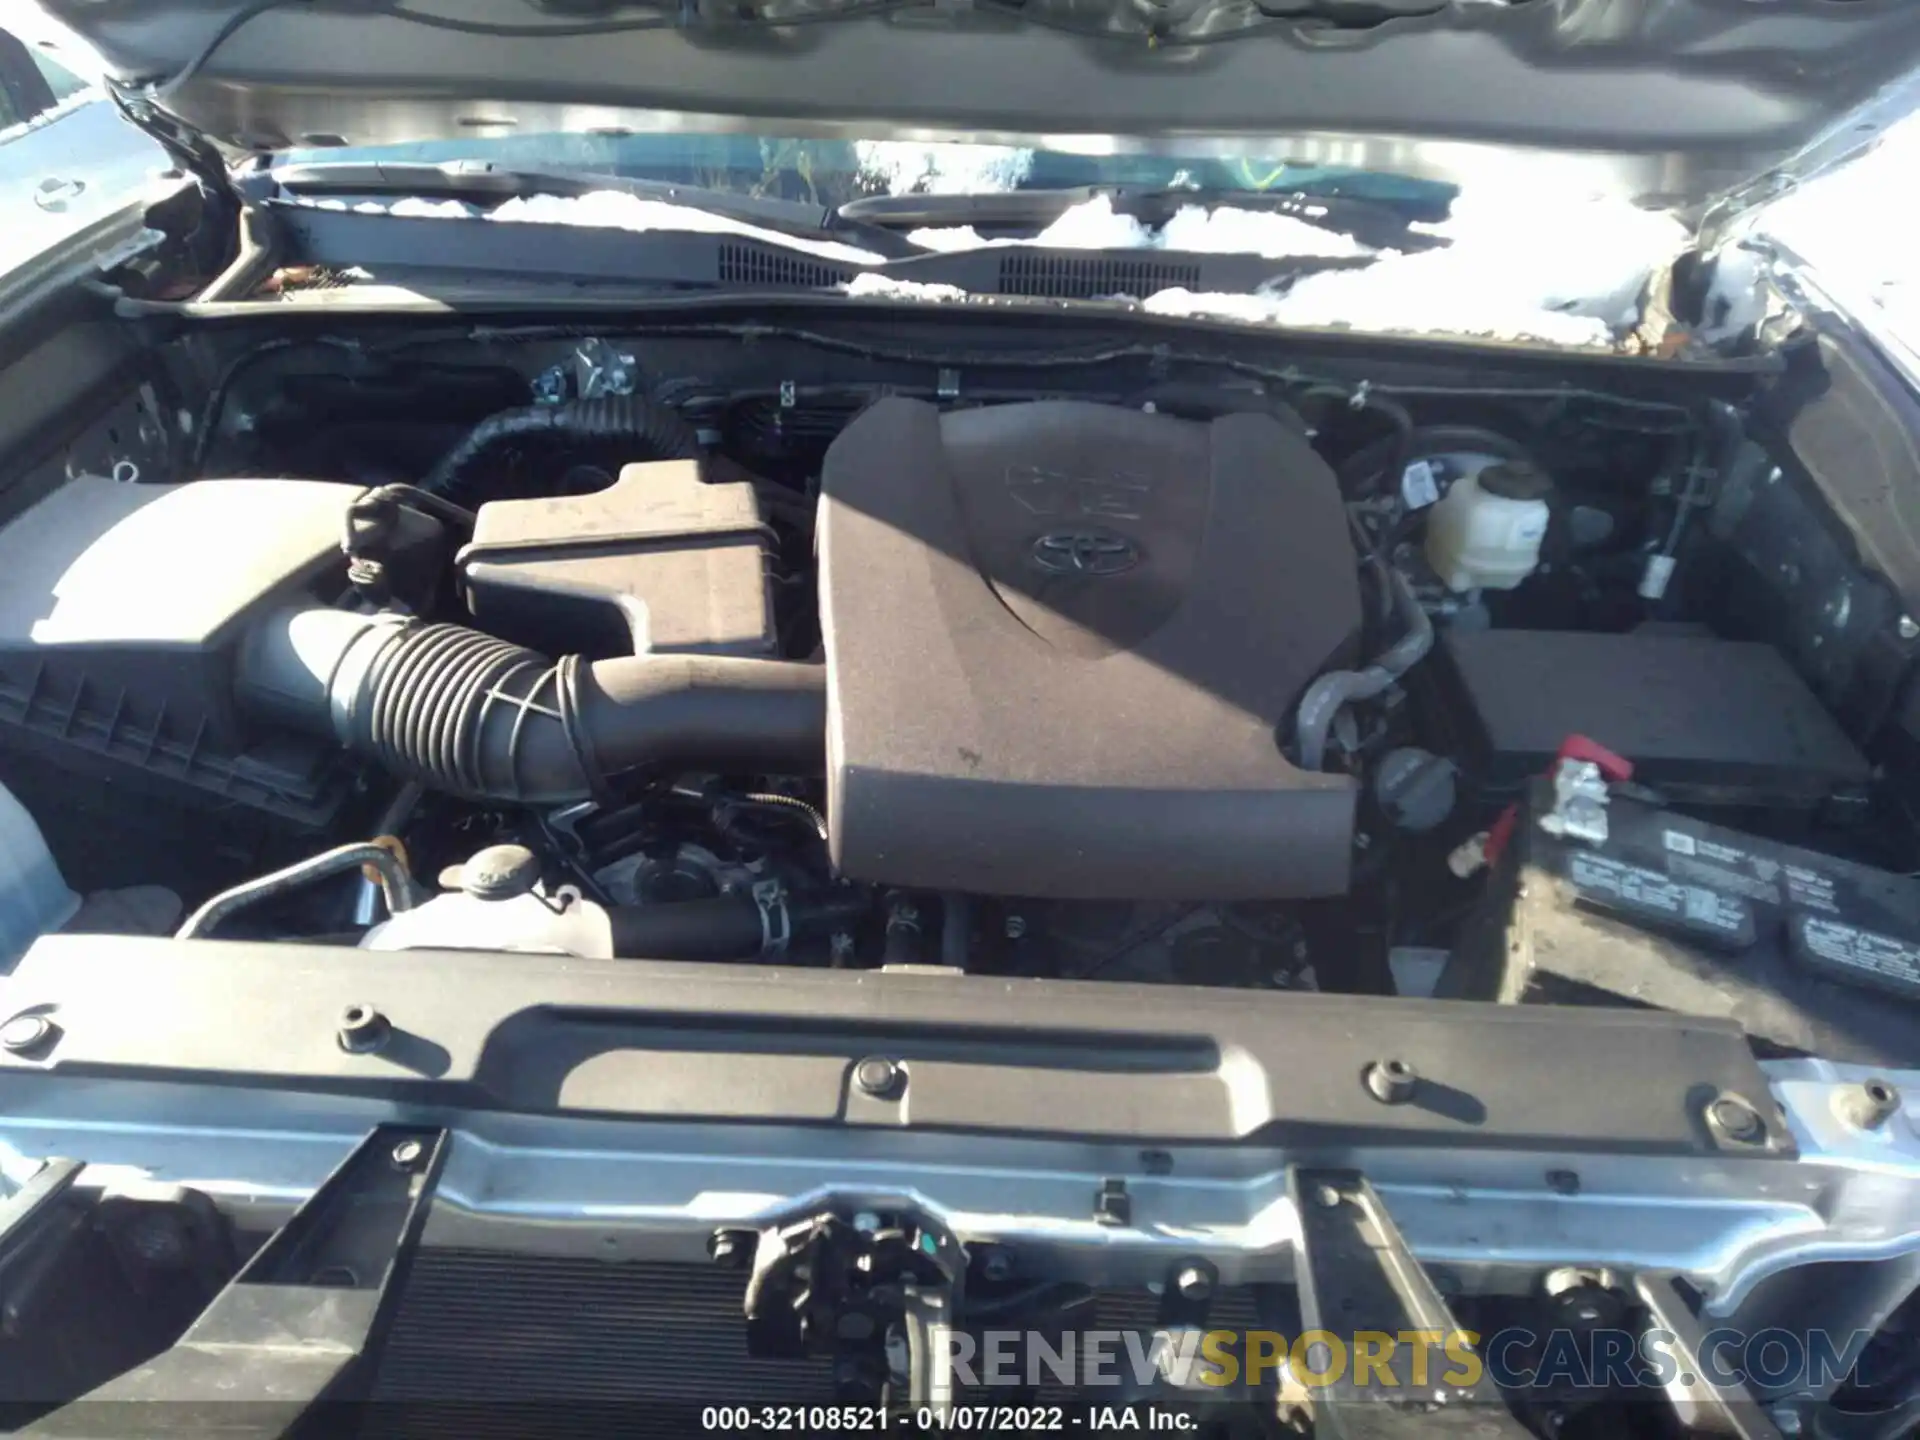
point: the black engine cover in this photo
(1060, 639)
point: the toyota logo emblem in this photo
(1085, 552)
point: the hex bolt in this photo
(1909, 628)
(407, 1154)
(1868, 1105)
(1328, 1197)
(996, 1265)
(363, 1029)
(731, 1249)
(1734, 1118)
(24, 1033)
(1193, 1282)
(1391, 1082)
(879, 1077)
(1016, 927)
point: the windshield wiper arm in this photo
(483, 182)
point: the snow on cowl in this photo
(1567, 271)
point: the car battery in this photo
(1602, 899)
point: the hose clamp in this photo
(566, 692)
(776, 923)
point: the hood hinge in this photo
(217, 238)
(192, 151)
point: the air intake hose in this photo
(627, 425)
(478, 717)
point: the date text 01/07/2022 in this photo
(985, 1420)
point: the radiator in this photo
(493, 1344)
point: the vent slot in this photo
(1089, 277)
(751, 265)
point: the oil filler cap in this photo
(500, 872)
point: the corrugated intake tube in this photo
(479, 717)
(636, 428)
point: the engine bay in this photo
(1122, 663)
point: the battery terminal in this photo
(1579, 803)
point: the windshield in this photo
(67, 158)
(1855, 228)
(832, 172)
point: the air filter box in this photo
(119, 614)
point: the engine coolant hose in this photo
(1331, 692)
(639, 428)
(394, 880)
(481, 718)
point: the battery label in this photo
(1751, 886)
(1848, 953)
(1758, 877)
(1810, 889)
(1646, 894)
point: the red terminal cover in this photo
(1579, 747)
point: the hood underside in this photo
(1671, 103)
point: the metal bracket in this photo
(602, 369)
(1358, 1279)
(1702, 1406)
(293, 1325)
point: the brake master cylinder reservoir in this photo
(1486, 531)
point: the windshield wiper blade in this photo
(1376, 223)
(483, 182)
